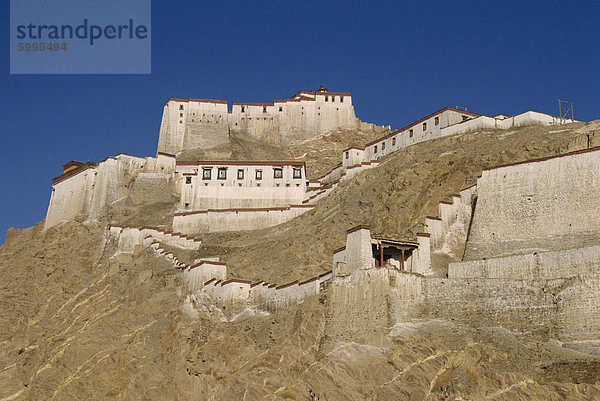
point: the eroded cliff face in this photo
(76, 324)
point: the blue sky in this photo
(400, 60)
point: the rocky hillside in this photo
(77, 324)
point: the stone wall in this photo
(219, 220)
(365, 301)
(548, 204)
(88, 190)
(358, 304)
(191, 123)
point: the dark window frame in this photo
(278, 173)
(207, 174)
(222, 170)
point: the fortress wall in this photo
(333, 175)
(188, 123)
(358, 304)
(69, 198)
(130, 237)
(530, 118)
(537, 206)
(150, 187)
(367, 299)
(206, 124)
(234, 219)
(172, 127)
(217, 197)
(336, 113)
(522, 305)
(545, 265)
(403, 138)
(352, 171)
(352, 157)
(195, 276)
(579, 310)
(358, 253)
(261, 121)
(478, 123)
(233, 296)
(449, 229)
(271, 298)
(563, 308)
(112, 176)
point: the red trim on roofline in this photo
(541, 159)
(176, 99)
(241, 163)
(395, 132)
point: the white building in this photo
(191, 123)
(239, 184)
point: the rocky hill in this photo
(78, 324)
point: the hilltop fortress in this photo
(193, 123)
(231, 195)
(519, 249)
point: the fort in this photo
(228, 195)
(478, 257)
(518, 249)
(460, 250)
(191, 123)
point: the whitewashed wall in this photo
(198, 193)
(234, 220)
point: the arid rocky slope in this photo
(76, 324)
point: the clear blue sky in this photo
(400, 60)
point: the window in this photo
(180, 107)
(297, 172)
(277, 173)
(382, 146)
(347, 155)
(341, 99)
(437, 121)
(332, 98)
(180, 114)
(243, 109)
(264, 109)
(424, 126)
(326, 98)
(206, 173)
(188, 180)
(281, 109)
(222, 173)
(410, 133)
(240, 174)
(187, 205)
(394, 141)
(259, 174)
(375, 148)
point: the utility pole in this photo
(565, 111)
